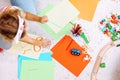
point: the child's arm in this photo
(42, 42)
(33, 17)
(28, 40)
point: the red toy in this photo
(1, 50)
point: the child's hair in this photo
(9, 24)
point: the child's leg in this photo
(26, 5)
(4, 44)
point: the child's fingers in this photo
(44, 19)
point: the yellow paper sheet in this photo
(86, 8)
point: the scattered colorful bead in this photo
(111, 26)
(118, 45)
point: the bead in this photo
(118, 45)
(114, 21)
(118, 36)
(109, 27)
(115, 33)
(104, 29)
(113, 17)
(103, 20)
(102, 65)
(112, 30)
(108, 23)
(118, 16)
(114, 38)
(106, 32)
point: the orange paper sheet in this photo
(62, 53)
(86, 8)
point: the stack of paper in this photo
(61, 15)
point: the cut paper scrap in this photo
(86, 7)
(24, 49)
(62, 54)
(37, 70)
(64, 30)
(44, 56)
(61, 15)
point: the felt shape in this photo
(45, 56)
(86, 7)
(62, 53)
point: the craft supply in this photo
(102, 65)
(111, 26)
(77, 31)
(74, 64)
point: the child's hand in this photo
(43, 19)
(44, 43)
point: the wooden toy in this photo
(100, 57)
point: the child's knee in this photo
(26, 5)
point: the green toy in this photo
(102, 65)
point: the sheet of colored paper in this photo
(86, 8)
(64, 30)
(37, 70)
(62, 53)
(44, 56)
(61, 15)
(24, 49)
(20, 58)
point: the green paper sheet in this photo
(65, 30)
(37, 70)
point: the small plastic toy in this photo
(118, 45)
(102, 65)
(75, 52)
(1, 50)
